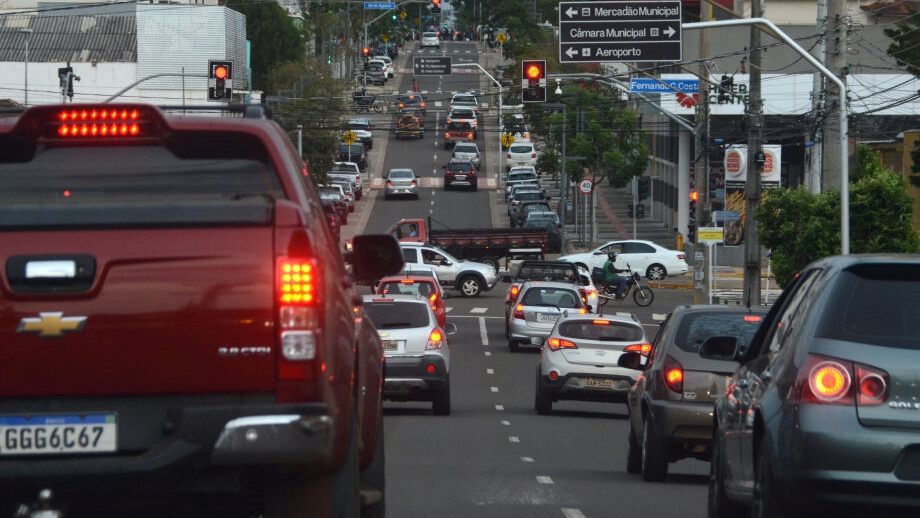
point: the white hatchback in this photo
(521, 153)
(430, 39)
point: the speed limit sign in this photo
(584, 186)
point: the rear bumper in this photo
(167, 448)
(409, 378)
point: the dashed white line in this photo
(526, 459)
(543, 479)
(494, 389)
(483, 335)
(500, 408)
(514, 439)
(572, 513)
(490, 371)
(505, 423)
(487, 353)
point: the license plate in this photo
(391, 345)
(598, 383)
(461, 177)
(58, 434)
(547, 317)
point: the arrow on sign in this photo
(571, 11)
(571, 52)
(670, 31)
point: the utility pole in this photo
(701, 293)
(814, 154)
(756, 159)
(836, 61)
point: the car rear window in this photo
(407, 287)
(601, 330)
(551, 297)
(521, 148)
(460, 166)
(876, 304)
(397, 314)
(522, 177)
(695, 328)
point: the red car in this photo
(427, 287)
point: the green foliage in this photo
(914, 177)
(800, 227)
(274, 35)
(905, 46)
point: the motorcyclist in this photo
(611, 277)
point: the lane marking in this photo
(483, 335)
(543, 479)
(500, 408)
(514, 439)
(494, 390)
(526, 459)
(490, 371)
(572, 513)
(487, 353)
(478, 311)
(505, 423)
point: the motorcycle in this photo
(642, 295)
(366, 103)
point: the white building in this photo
(155, 53)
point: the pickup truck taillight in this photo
(296, 292)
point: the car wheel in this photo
(489, 260)
(373, 480)
(717, 504)
(654, 461)
(633, 453)
(766, 497)
(470, 286)
(543, 401)
(656, 272)
(643, 296)
(441, 403)
(513, 345)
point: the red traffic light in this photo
(436, 2)
(220, 72)
(366, 51)
(694, 195)
(534, 70)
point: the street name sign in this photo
(647, 85)
(620, 31)
(380, 5)
(437, 66)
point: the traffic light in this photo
(220, 80)
(644, 188)
(533, 81)
(435, 6)
(329, 59)
(691, 223)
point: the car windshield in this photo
(397, 314)
(600, 330)
(875, 304)
(401, 174)
(696, 328)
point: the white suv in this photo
(467, 277)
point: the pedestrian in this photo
(414, 85)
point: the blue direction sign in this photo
(380, 5)
(648, 85)
(635, 30)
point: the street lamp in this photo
(28, 32)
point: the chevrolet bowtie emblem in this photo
(50, 325)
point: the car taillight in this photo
(674, 375)
(469, 136)
(413, 183)
(509, 155)
(533, 155)
(518, 311)
(297, 297)
(515, 290)
(433, 300)
(435, 340)
(389, 183)
(555, 344)
(830, 381)
(644, 348)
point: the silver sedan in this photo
(401, 182)
(538, 307)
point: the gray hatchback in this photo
(670, 406)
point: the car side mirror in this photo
(720, 348)
(632, 360)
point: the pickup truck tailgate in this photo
(140, 311)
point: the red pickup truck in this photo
(181, 336)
